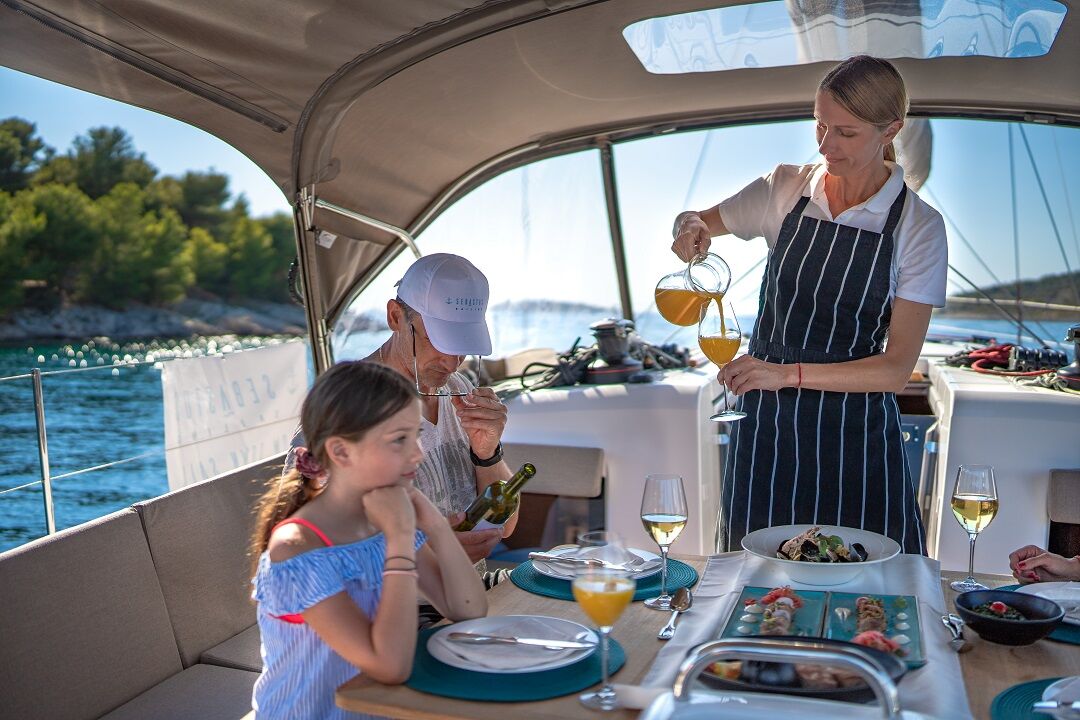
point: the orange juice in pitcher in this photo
(681, 295)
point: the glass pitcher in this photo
(680, 295)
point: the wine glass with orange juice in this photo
(602, 592)
(719, 336)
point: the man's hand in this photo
(477, 544)
(483, 417)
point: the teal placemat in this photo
(1064, 633)
(526, 577)
(437, 678)
(1015, 703)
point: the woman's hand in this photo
(748, 373)
(1033, 564)
(477, 544)
(390, 510)
(692, 236)
(483, 417)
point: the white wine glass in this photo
(663, 513)
(974, 504)
(603, 592)
(719, 337)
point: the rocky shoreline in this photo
(184, 319)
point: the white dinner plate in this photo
(564, 571)
(765, 542)
(1062, 692)
(530, 658)
(1065, 594)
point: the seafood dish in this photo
(998, 609)
(813, 546)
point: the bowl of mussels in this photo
(820, 555)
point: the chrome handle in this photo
(808, 652)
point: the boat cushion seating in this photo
(202, 692)
(241, 651)
(84, 627)
(560, 469)
(198, 537)
(1063, 496)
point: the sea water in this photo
(98, 417)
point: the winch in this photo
(1071, 373)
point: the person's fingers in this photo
(454, 518)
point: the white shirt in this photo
(920, 249)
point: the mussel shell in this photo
(859, 552)
(772, 674)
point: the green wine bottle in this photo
(493, 507)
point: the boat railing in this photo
(35, 376)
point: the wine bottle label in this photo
(485, 525)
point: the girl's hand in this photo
(390, 510)
(1033, 564)
(428, 517)
(748, 373)
(692, 236)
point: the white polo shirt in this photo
(920, 250)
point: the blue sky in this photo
(62, 113)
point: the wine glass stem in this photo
(663, 571)
(971, 555)
(726, 408)
(605, 688)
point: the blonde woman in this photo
(854, 256)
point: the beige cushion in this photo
(1063, 496)
(240, 651)
(199, 536)
(84, 626)
(560, 469)
(202, 692)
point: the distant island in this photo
(1051, 297)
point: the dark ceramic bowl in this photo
(1042, 616)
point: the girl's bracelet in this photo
(410, 573)
(401, 567)
(406, 558)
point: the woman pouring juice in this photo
(854, 256)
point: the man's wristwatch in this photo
(493, 460)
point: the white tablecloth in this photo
(936, 689)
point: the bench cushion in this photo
(84, 626)
(241, 651)
(198, 537)
(1063, 496)
(202, 692)
(560, 469)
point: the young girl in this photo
(344, 542)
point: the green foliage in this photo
(54, 252)
(105, 157)
(20, 152)
(96, 225)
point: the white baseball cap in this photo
(451, 294)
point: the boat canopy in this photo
(392, 110)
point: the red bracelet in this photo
(799, 367)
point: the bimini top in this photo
(394, 109)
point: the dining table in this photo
(987, 668)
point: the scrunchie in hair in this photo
(308, 466)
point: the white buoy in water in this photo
(82, 363)
(40, 359)
(115, 372)
(71, 363)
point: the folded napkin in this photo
(502, 656)
(610, 555)
(1065, 594)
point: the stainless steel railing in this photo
(35, 376)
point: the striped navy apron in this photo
(808, 456)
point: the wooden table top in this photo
(988, 668)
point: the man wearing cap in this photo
(437, 318)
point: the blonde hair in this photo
(346, 401)
(872, 90)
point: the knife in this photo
(479, 639)
(635, 564)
